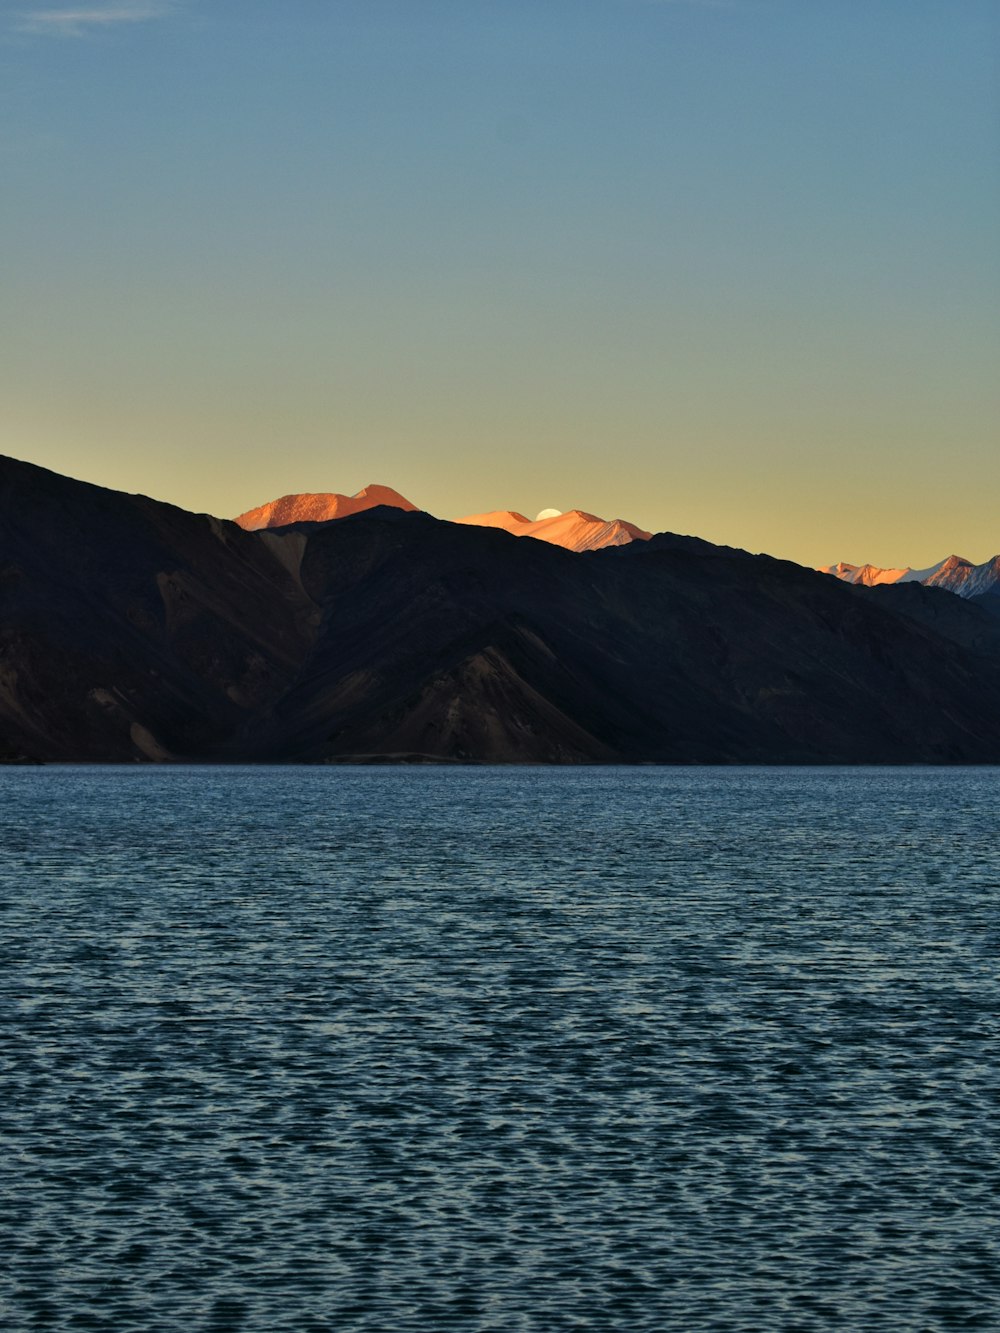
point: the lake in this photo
(499, 1049)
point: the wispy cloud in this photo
(76, 22)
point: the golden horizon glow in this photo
(722, 270)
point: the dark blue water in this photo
(370, 1049)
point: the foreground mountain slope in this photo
(133, 630)
(446, 641)
(974, 623)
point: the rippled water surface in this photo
(484, 1049)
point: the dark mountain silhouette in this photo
(131, 630)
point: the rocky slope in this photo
(132, 630)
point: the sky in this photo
(724, 267)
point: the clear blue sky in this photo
(720, 266)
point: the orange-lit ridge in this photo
(319, 508)
(869, 575)
(956, 574)
(574, 530)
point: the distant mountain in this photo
(869, 576)
(575, 530)
(954, 574)
(319, 508)
(134, 631)
(961, 576)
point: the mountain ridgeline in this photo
(575, 530)
(131, 630)
(956, 574)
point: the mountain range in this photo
(132, 630)
(574, 530)
(955, 574)
(320, 508)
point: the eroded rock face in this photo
(132, 630)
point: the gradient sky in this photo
(729, 267)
